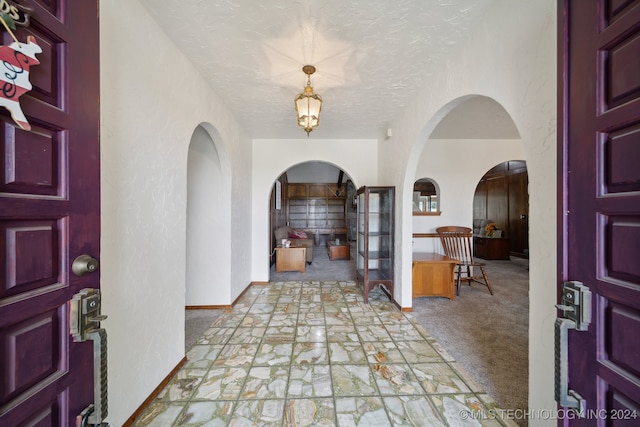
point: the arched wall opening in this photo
(270, 158)
(314, 183)
(502, 197)
(208, 238)
(466, 138)
(425, 197)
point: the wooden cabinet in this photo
(375, 239)
(338, 251)
(433, 275)
(491, 247)
(291, 258)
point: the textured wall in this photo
(208, 263)
(152, 100)
(510, 57)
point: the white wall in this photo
(208, 270)
(146, 125)
(510, 57)
(357, 158)
(457, 166)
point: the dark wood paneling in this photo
(333, 190)
(277, 217)
(498, 201)
(320, 210)
(317, 190)
(497, 170)
(480, 200)
(502, 195)
(296, 190)
(518, 217)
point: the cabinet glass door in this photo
(375, 238)
(384, 234)
(361, 233)
(374, 230)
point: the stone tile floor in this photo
(313, 354)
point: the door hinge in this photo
(576, 309)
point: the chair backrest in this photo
(456, 242)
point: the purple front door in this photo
(49, 215)
(600, 188)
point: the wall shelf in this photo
(317, 208)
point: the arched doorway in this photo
(469, 136)
(315, 198)
(502, 196)
(207, 281)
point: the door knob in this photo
(84, 264)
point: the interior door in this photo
(601, 207)
(49, 215)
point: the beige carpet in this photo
(487, 335)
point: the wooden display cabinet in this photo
(375, 239)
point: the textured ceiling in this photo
(372, 56)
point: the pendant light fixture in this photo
(308, 104)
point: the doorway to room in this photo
(486, 334)
(208, 259)
(310, 204)
(502, 198)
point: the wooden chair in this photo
(456, 242)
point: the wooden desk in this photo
(291, 258)
(491, 247)
(433, 275)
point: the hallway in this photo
(312, 353)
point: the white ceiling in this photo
(372, 56)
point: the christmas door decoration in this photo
(15, 61)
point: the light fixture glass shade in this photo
(308, 105)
